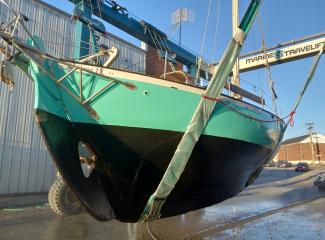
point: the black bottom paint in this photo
(135, 160)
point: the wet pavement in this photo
(282, 204)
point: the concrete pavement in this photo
(282, 204)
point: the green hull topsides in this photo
(157, 107)
(151, 105)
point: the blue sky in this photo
(282, 21)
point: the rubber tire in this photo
(62, 200)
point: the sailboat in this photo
(156, 147)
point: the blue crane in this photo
(118, 16)
(113, 13)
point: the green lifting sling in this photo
(200, 118)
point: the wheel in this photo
(62, 200)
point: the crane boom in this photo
(119, 17)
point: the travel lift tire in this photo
(62, 200)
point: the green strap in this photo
(199, 119)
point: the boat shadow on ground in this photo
(298, 181)
(301, 195)
(267, 176)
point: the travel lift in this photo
(61, 199)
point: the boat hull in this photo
(134, 132)
(135, 160)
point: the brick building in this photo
(300, 149)
(155, 64)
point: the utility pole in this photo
(317, 148)
(310, 128)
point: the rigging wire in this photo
(160, 45)
(24, 35)
(167, 50)
(205, 28)
(267, 65)
(92, 45)
(256, 87)
(154, 42)
(66, 35)
(214, 47)
(173, 30)
(261, 94)
(19, 19)
(73, 45)
(62, 35)
(168, 35)
(203, 40)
